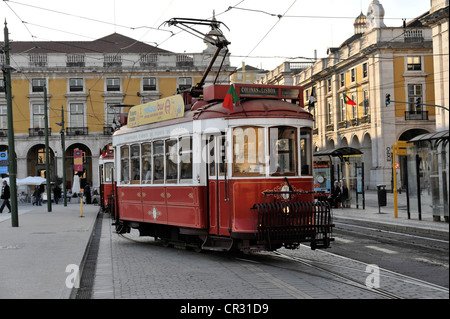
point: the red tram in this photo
(106, 176)
(192, 172)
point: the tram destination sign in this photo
(268, 91)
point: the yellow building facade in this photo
(375, 61)
(92, 84)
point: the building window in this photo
(353, 75)
(329, 113)
(329, 85)
(76, 85)
(2, 85)
(113, 84)
(37, 85)
(38, 116)
(414, 92)
(354, 108)
(112, 115)
(76, 115)
(366, 102)
(184, 83)
(414, 63)
(149, 84)
(343, 113)
(364, 70)
(341, 80)
(3, 117)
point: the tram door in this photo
(219, 213)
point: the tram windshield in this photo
(287, 153)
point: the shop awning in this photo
(441, 135)
(339, 152)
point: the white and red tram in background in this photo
(191, 171)
(106, 176)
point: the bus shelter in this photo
(427, 166)
(342, 166)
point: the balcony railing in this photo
(36, 131)
(72, 131)
(329, 127)
(416, 115)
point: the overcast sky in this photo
(258, 35)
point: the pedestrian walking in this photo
(5, 196)
(37, 196)
(57, 193)
(87, 193)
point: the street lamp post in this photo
(6, 68)
(63, 147)
(47, 154)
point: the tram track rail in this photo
(353, 275)
(384, 275)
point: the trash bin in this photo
(381, 191)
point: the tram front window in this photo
(283, 151)
(248, 151)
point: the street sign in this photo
(401, 151)
(4, 162)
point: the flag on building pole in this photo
(348, 100)
(230, 98)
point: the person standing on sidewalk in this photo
(5, 196)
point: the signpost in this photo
(400, 148)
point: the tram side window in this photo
(146, 150)
(306, 151)
(222, 155)
(158, 162)
(248, 151)
(171, 161)
(283, 151)
(135, 164)
(211, 156)
(186, 158)
(124, 165)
